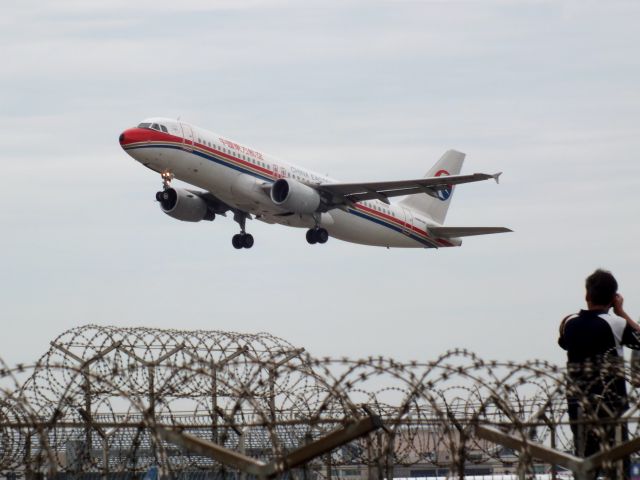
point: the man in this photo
(593, 339)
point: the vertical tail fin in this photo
(436, 208)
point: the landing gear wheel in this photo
(242, 240)
(236, 241)
(247, 240)
(312, 236)
(159, 196)
(322, 235)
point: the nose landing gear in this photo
(317, 235)
(167, 176)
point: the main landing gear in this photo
(317, 235)
(242, 239)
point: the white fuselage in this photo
(238, 175)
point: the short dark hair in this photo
(601, 287)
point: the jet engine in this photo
(184, 205)
(294, 196)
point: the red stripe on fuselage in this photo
(142, 135)
(401, 223)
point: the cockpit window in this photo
(154, 126)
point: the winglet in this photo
(496, 177)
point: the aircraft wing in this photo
(215, 204)
(357, 192)
(455, 232)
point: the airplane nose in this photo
(130, 135)
(134, 135)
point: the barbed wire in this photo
(100, 399)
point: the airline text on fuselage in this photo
(241, 149)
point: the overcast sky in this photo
(548, 92)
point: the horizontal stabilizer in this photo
(455, 232)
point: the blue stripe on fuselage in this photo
(392, 227)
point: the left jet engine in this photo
(184, 205)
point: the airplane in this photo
(253, 185)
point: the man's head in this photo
(601, 288)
